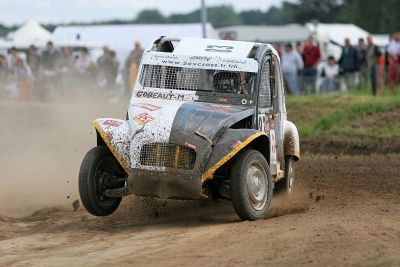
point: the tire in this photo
(97, 161)
(251, 185)
(285, 185)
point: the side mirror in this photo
(275, 106)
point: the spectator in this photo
(348, 62)
(3, 69)
(393, 53)
(66, 60)
(115, 66)
(22, 79)
(3, 73)
(83, 62)
(372, 57)
(292, 63)
(50, 58)
(50, 82)
(329, 72)
(13, 59)
(33, 60)
(132, 64)
(106, 67)
(362, 62)
(348, 59)
(361, 55)
(311, 55)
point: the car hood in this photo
(206, 120)
(180, 122)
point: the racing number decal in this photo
(219, 48)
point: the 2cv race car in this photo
(207, 119)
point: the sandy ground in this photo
(345, 211)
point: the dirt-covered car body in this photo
(181, 132)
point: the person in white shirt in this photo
(329, 71)
(292, 63)
(84, 62)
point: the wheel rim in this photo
(106, 165)
(257, 184)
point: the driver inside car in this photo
(232, 82)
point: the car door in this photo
(267, 107)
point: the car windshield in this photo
(200, 80)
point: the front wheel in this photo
(97, 164)
(251, 185)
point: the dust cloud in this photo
(42, 145)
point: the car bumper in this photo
(175, 184)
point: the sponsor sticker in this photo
(166, 96)
(238, 142)
(216, 108)
(143, 118)
(190, 145)
(147, 106)
(112, 123)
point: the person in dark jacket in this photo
(372, 56)
(348, 62)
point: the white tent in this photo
(337, 32)
(266, 33)
(331, 36)
(381, 40)
(121, 38)
(30, 33)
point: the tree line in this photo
(374, 16)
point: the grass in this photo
(317, 115)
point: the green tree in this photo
(150, 16)
(321, 10)
(374, 16)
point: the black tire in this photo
(247, 188)
(285, 185)
(97, 160)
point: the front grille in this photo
(167, 155)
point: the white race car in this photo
(207, 118)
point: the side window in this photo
(264, 99)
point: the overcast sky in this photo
(54, 11)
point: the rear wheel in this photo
(251, 185)
(98, 165)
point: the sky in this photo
(63, 11)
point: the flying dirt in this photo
(345, 210)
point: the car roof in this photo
(213, 48)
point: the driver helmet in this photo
(226, 81)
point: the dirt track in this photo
(346, 210)
(354, 222)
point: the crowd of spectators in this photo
(31, 74)
(362, 64)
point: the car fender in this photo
(114, 133)
(232, 142)
(291, 143)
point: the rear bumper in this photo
(165, 184)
